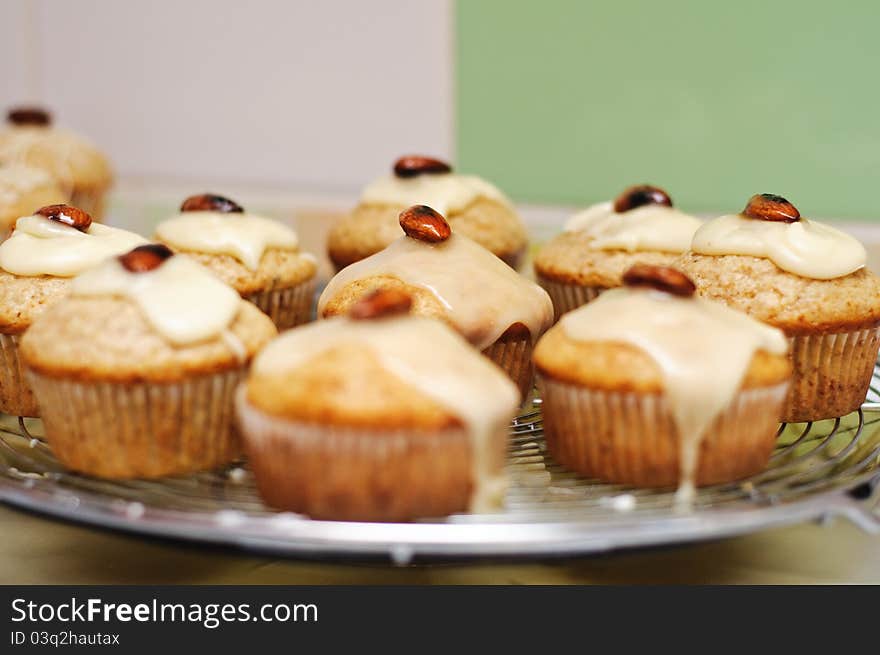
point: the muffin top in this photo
(380, 368)
(449, 277)
(772, 228)
(426, 181)
(147, 315)
(654, 336)
(641, 218)
(799, 275)
(61, 241)
(22, 189)
(31, 139)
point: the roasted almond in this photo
(642, 194)
(661, 278)
(28, 116)
(413, 165)
(423, 223)
(145, 258)
(66, 214)
(211, 202)
(770, 207)
(380, 304)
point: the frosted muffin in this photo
(651, 386)
(809, 280)
(603, 241)
(473, 206)
(37, 263)
(136, 369)
(22, 190)
(452, 278)
(258, 257)
(79, 168)
(377, 416)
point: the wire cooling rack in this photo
(817, 472)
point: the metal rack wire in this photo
(818, 470)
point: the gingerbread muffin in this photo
(603, 241)
(78, 167)
(22, 190)
(136, 369)
(452, 278)
(807, 279)
(376, 416)
(258, 257)
(37, 263)
(651, 386)
(473, 206)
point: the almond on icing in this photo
(246, 237)
(645, 227)
(702, 348)
(182, 300)
(428, 355)
(41, 246)
(445, 192)
(482, 295)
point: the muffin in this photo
(376, 416)
(473, 206)
(603, 241)
(452, 278)
(37, 263)
(83, 173)
(807, 279)
(258, 257)
(650, 386)
(135, 371)
(23, 189)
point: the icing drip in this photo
(806, 248)
(235, 345)
(183, 301)
(649, 227)
(40, 246)
(482, 295)
(703, 350)
(444, 192)
(433, 359)
(243, 236)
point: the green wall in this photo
(569, 102)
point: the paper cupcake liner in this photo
(350, 474)
(567, 297)
(515, 357)
(832, 373)
(286, 307)
(16, 397)
(630, 438)
(117, 430)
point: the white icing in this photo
(183, 301)
(482, 295)
(431, 358)
(702, 348)
(40, 246)
(243, 236)
(444, 192)
(649, 227)
(806, 248)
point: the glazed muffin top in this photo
(380, 368)
(248, 252)
(449, 277)
(30, 138)
(24, 188)
(798, 274)
(474, 206)
(147, 315)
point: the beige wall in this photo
(319, 95)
